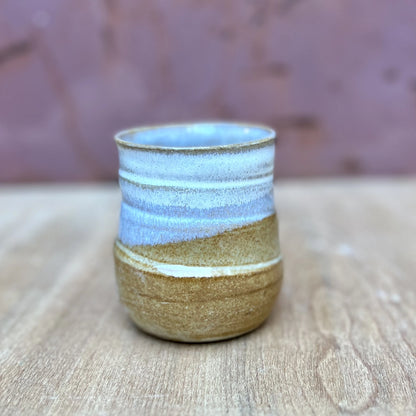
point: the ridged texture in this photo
(173, 195)
(197, 310)
(197, 256)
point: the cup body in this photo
(197, 255)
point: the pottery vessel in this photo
(197, 255)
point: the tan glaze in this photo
(203, 309)
(251, 244)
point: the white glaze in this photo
(179, 270)
(177, 188)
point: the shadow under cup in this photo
(197, 256)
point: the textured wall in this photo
(336, 78)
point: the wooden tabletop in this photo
(341, 338)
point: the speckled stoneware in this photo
(197, 255)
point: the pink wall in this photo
(336, 78)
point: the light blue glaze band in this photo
(192, 181)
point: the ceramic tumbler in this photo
(197, 255)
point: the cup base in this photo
(189, 340)
(196, 309)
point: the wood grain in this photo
(341, 339)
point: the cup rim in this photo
(269, 137)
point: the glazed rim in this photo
(197, 136)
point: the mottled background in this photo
(336, 78)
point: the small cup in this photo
(197, 256)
